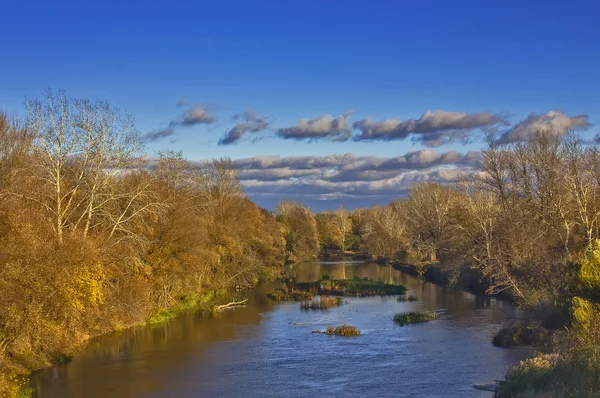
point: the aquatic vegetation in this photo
(289, 295)
(343, 330)
(406, 318)
(323, 304)
(403, 298)
(349, 287)
(518, 334)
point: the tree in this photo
(80, 148)
(343, 224)
(300, 230)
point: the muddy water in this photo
(256, 351)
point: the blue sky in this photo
(299, 60)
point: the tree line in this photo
(96, 236)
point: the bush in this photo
(573, 374)
(289, 295)
(344, 330)
(517, 335)
(323, 304)
(406, 318)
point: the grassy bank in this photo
(572, 374)
(14, 376)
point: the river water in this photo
(257, 351)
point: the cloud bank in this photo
(553, 121)
(323, 127)
(433, 128)
(325, 181)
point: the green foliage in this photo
(406, 318)
(26, 392)
(160, 316)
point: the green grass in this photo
(403, 298)
(344, 330)
(203, 300)
(406, 318)
(160, 316)
(323, 304)
(26, 392)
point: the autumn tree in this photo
(300, 230)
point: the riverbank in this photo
(206, 302)
(468, 280)
(253, 350)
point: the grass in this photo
(289, 295)
(160, 316)
(403, 298)
(572, 374)
(518, 335)
(186, 303)
(406, 318)
(323, 304)
(349, 287)
(344, 330)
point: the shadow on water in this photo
(255, 350)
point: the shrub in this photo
(323, 304)
(518, 334)
(573, 374)
(344, 330)
(414, 317)
(289, 295)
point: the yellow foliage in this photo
(590, 267)
(586, 321)
(86, 289)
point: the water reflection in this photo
(254, 350)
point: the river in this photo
(257, 351)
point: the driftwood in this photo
(229, 305)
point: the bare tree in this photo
(80, 149)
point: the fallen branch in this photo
(229, 305)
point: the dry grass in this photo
(323, 304)
(343, 330)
